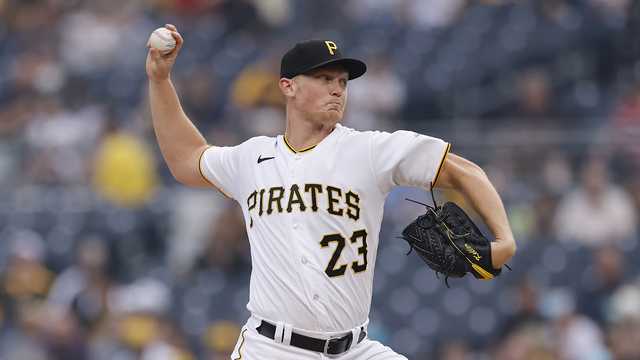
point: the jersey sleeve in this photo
(219, 167)
(406, 158)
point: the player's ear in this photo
(287, 86)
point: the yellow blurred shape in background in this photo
(137, 331)
(125, 170)
(221, 336)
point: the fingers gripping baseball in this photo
(159, 65)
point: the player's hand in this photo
(159, 66)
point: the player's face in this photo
(322, 94)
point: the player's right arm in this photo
(180, 142)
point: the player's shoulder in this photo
(246, 148)
(378, 134)
(352, 133)
(260, 140)
(256, 142)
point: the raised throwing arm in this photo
(180, 142)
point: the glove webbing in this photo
(451, 262)
(434, 210)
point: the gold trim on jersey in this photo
(294, 150)
(205, 178)
(444, 157)
(241, 344)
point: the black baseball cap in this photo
(308, 55)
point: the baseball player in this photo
(312, 201)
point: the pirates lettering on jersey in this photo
(302, 197)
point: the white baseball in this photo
(162, 40)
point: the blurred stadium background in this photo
(104, 256)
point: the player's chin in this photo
(334, 115)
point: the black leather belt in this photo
(331, 347)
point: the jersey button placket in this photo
(295, 167)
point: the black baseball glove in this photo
(450, 243)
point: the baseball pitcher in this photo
(313, 199)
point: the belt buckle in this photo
(330, 341)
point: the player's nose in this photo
(336, 90)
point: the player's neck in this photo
(302, 134)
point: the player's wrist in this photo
(159, 80)
(501, 252)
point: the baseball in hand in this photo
(162, 40)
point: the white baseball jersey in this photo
(313, 217)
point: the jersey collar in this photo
(286, 143)
(293, 150)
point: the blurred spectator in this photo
(615, 9)
(257, 99)
(91, 36)
(228, 247)
(26, 276)
(169, 345)
(13, 116)
(624, 337)
(220, 339)
(574, 336)
(545, 209)
(139, 328)
(57, 138)
(83, 288)
(189, 7)
(125, 172)
(454, 350)
(12, 120)
(377, 99)
(625, 127)
(21, 341)
(41, 332)
(275, 13)
(528, 343)
(535, 98)
(200, 97)
(192, 218)
(600, 282)
(557, 176)
(624, 303)
(527, 311)
(435, 13)
(624, 320)
(629, 46)
(257, 85)
(597, 212)
(363, 11)
(633, 186)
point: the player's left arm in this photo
(465, 176)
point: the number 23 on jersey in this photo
(358, 238)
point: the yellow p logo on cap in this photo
(331, 46)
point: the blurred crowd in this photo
(104, 256)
